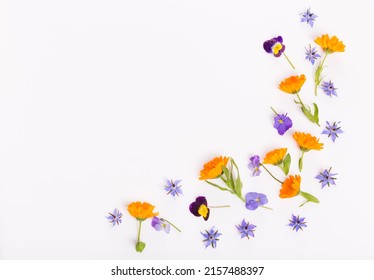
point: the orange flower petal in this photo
(292, 84)
(290, 187)
(307, 142)
(213, 168)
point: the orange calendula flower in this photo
(292, 84)
(213, 168)
(141, 210)
(290, 187)
(307, 142)
(330, 45)
(275, 157)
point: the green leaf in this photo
(139, 247)
(300, 164)
(309, 197)
(286, 164)
(228, 174)
(238, 187)
(219, 187)
(316, 118)
(307, 112)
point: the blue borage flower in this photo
(246, 229)
(211, 237)
(326, 178)
(297, 223)
(173, 188)
(311, 54)
(332, 130)
(329, 88)
(308, 17)
(115, 218)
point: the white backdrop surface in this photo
(102, 101)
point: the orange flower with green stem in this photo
(141, 211)
(291, 188)
(280, 158)
(306, 143)
(293, 85)
(329, 46)
(223, 168)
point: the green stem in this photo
(221, 206)
(140, 228)
(289, 61)
(266, 207)
(171, 224)
(219, 187)
(317, 78)
(301, 161)
(271, 174)
(301, 102)
(274, 110)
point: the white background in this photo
(102, 101)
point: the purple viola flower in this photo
(211, 237)
(115, 218)
(160, 224)
(326, 178)
(200, 207)
(173, 187)
(274, 46)
(308, 17)
(332, 130)
(328, 88)
(311, 54)
(254, 165)
(246, 229)
(297, 223)
(282, 123)
(254, 200)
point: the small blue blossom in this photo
(332, 130)
(246, 229)
(115, 217)
(160, 224)
(326, 178)
(308, 17)
(173, 187)
(254, 165)
(297, 223)
(328, 88)
(254, 200)
(211, 237)
(311, 54)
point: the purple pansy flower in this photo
(274, 46)
(160, 224)
(332, 130)
(311, 54)
(326, 178)
(308, 17)
(200, 207)
(173, 187)
(328, 88)
(246, 229)
(297, 223)
(282, 123)
(254, 165)
(254, 200)
(211, 237)
(115, 218)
